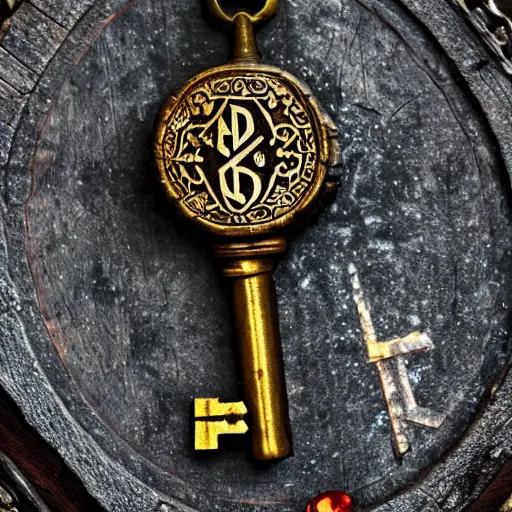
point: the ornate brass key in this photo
(243, 152)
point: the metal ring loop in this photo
(268, 11)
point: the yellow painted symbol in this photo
(213, 419)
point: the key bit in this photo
(212, 408)
(243, 152)
(213, 418)
(208, 432)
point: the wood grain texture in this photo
(64, 12)
(16, 74)
(29, 39)
(109, 237)
(33, 37)
(496, 494)
(11, 105)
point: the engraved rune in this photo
(232, 167)
(396, 387)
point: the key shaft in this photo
(261, 355)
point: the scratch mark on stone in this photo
(404, 105)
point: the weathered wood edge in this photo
(464, 474)
(445, 486)
(108, 481)
(29, 40)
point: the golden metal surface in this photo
(245, 48)
(268, 11)
(257, 325)
(271, 174)
(213, 419)
(243, 151)
(213, 408)
(207, 432)
(254, 249)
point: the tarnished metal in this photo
(16, 492)
(494, 25)
(268, 11)
(394, 379)
(243, 152)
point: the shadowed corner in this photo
(231, 7)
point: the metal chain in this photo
(268, 10)
(494, 26)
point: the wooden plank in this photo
(15, 73)
(11, 104)
(16, 81)
(64, 12)
(33, 38)
(6, 134)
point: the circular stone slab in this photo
(140, 319)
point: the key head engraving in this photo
(243, 151)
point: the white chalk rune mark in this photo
(387, 355)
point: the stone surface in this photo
(136, 323)
(33, 37)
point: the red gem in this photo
(331, 501)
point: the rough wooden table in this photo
(113, 318)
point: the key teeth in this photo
(207, 432)
(425, 417)
(334, 170)
(212, 407)
(211, 421)
(413, 342)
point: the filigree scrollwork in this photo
(240, 149)
(494, 25)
